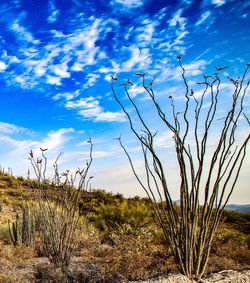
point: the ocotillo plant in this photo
(58, 202)
(209, 151)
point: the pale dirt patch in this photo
(230, 276)
(225, 276)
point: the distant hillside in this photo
(13, 190)
(234, 207)
(238, 207)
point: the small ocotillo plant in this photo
(207, 173)
(58, 203)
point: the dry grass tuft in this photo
(127, 256)
(16, 264)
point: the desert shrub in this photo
(6, 200)
(30, 183)
(15, 264)
(230, 254)
(238, 220)
(17, 255)
(102, 195)
(85, 206)
(15, 192)
(13, 183)
(111, 216)
(119, 259)
(232, 216)
(119, 196)
(229, 232)
(248, 241)
(229, 250)
(20, 178)
(4, 278)
(5, 234)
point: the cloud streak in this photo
(90, 108)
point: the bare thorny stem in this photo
(206, 176)
(58, 203)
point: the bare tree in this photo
(58, 207)
(208, 174)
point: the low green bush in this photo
(111, 216)
(227, 235)
(20, 178)
(5, 200)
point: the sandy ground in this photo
(226, 276)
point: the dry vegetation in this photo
(117, 240)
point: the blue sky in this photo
(56, 58)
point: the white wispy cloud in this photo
(90, 108)
(16, 144)
(89, 102)
(146, 32)
(87, 39)
(53, 141)
(128, 3)
(177, 20)
(22, 33)
(3, 66)
(109, 116)
(91, 80)
(164, 140)
(135, 90)
(226, 89)
(203, 18)
(24, 81)
(173, 73)
(172, 39)
(50, 63)
(187, 2)
(61, 71)
(195, 68)
(39, 71)
(7, 128)
(203, 53)
(115, 68)
(218, 2)
(67, 53)
(67, 95)
(140, 59)
(54, 13)
(77, 67)
(53, 80)
(82, 156)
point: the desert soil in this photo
(226, 276)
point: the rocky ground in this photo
(40, 270)
(225, 276)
